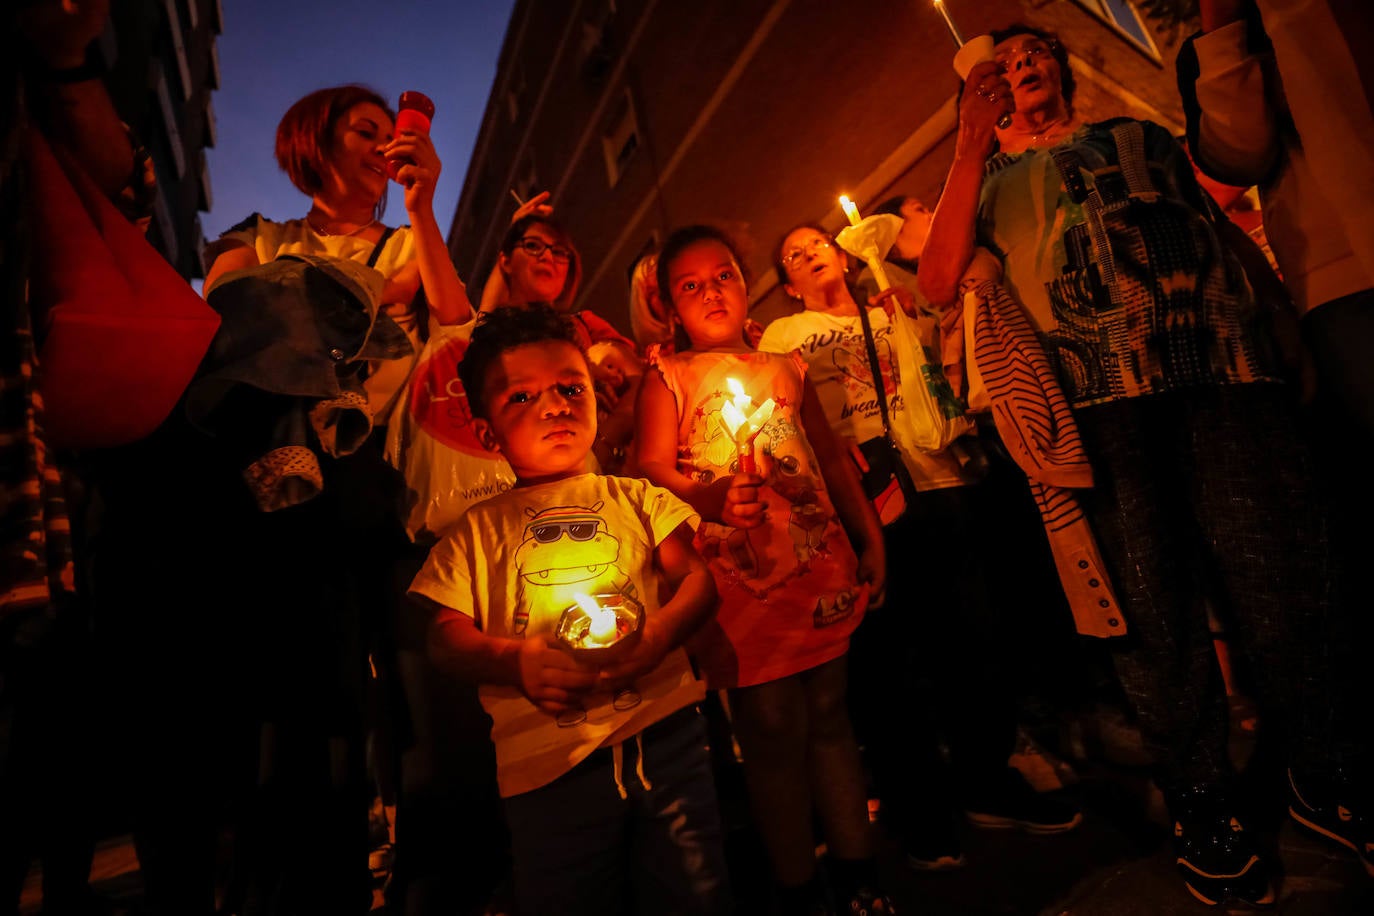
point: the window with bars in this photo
(1126, 21)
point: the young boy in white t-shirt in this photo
(602, 764)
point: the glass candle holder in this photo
(600, 627)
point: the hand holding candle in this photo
(870, 253)
(971, 52)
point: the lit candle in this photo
(743, 426)
(601, 622)
(953, 29)
(875, 262)
(849, 209)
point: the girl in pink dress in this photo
(777, 529)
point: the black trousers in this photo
(1208, 496)
(929, 665)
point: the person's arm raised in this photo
(949, 247)
(446, 294)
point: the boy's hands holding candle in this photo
(551, 678)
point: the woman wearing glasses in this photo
(932, 636)
(538, 263)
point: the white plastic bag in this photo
(430, 439)
(933, 416)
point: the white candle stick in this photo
(953, 29)
(851, 211)
(871, 257)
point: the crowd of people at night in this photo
(486, 596)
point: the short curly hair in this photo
(504, 329)
(305, 136)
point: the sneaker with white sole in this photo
(1014, 805)
(1334, 813)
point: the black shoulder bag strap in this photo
(876, 368)
(381, 243)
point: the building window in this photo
(212, 78)
(596, 50)
(1127, 22)
(515, 88)
(207, 197)
(166, 229)
(526, 180)
(169, 122)
(178, 46)
(211, 127)
(621, 140)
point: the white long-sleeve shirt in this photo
(1309, 217)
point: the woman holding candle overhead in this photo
(792, 587)
(1111, 249)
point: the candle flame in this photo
(587, 603)
(850, 210)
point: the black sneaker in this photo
(1216, 856)
(1335, 814)
(1014, 805)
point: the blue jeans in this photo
(579, 847)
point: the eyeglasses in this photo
(1031, 50)
(535, 247)
(815, 246)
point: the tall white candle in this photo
(849, 209)
(953, 29)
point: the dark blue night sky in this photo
(272, 53)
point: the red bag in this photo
(120, 332)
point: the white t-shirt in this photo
(837, 360)
(515, 563)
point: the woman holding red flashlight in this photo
(338, 146)
(315, 571)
